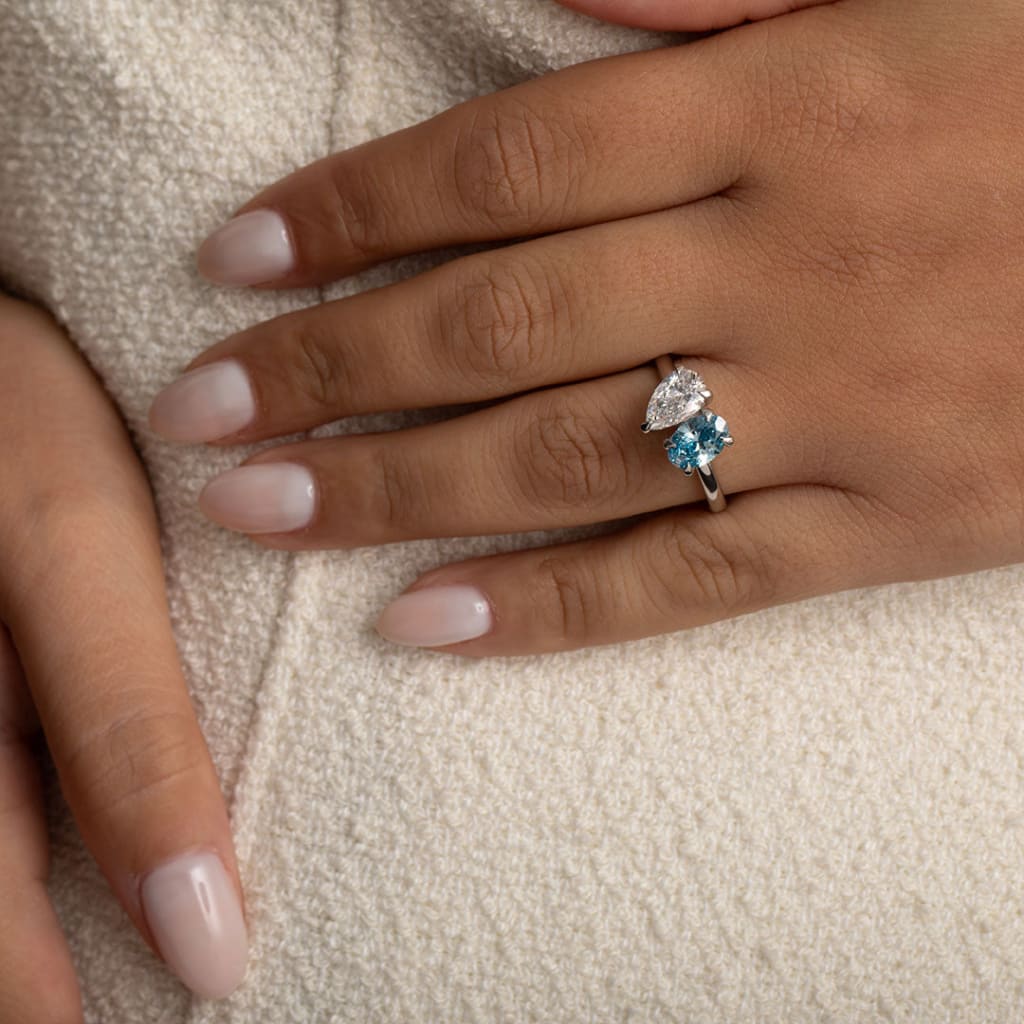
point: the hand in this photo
(84, 622)
(823, 212)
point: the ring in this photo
(700, 435)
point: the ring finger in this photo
(560, 457)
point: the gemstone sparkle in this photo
(697, 441)
(676, 399)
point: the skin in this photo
(822, 210)
(79, 552)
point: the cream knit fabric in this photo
(815, 813)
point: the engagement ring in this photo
(700, 434)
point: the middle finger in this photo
(570, 306)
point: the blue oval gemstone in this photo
(697, 441)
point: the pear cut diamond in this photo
(676, 399)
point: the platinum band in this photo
(708, 480)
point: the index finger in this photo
(598, 141)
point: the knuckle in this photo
(827, 97)
(847, 254)
(133, 756)
(360, 210)
(507, 317)
(396, 497)
(838, 104)
(315, 369)
(699, 569)
(572, 456)
(568, 598)
(515, 165)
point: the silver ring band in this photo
(679, 401)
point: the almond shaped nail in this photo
(251, 248)
(436, 616)
(205, 404)
(269, 497)
(192, 909)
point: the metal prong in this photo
(646, 428)
(667, 443)
(707, 395)
(728, 439)
(688, 471)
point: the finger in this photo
(555, 458)
(81, 589)
(674, 571)
(39, 981)
(485, 326)
(685, 15)
(533, 158)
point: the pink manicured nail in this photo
(435, 616)
(204, 404)
(194, 914)
(249, 249)
(270, 497)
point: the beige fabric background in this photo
(812, 814)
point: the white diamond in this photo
(676, 399)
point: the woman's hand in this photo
(823, 212)
(82, 599)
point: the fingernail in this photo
(194, 914)
(204, 404)
(249, 249)
(435, 616)
(272, 497)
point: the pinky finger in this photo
(673, 571)
(39, 981)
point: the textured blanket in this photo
(814, 813)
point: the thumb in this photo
(685, 15)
